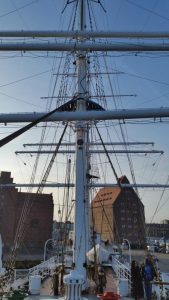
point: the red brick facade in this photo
(119, 214)
(39, 220)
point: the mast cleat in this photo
(73, 283)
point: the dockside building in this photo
(118, 214)
(32, 225)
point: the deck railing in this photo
(47, 266)
(21, 276)
(122, 272)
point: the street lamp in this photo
(129, 248)
(44, 255)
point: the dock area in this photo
(111, 286)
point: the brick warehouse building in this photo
(119, 214)
(157, 230)
(39, 222)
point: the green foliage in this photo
(16, 295)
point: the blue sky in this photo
(26, 77)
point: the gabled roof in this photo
(124, 179)
(109, 195)
(106, 196)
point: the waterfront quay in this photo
(140, 255)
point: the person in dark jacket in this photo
(136, 279)
(148, 273)
(101, 279)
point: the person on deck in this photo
(148, 273)
(101, 279)
(136, 279)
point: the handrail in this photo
(122, 271)
(44, 268)
(45, 265)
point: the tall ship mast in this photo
(81, 108)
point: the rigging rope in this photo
(103, 209)
(42, 184)
(108, 156)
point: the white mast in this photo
(81, 207)
(77, 278)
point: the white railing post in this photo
(122, 271)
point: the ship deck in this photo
(111, 286)
(91, 297)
